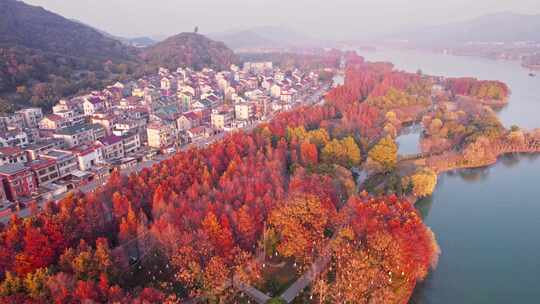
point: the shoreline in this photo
(496, 103)
(487, 162)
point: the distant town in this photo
(131, 125)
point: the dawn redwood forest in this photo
(187, 226)
(240, 152)
(287, 193)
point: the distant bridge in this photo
(416, 156)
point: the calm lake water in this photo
(409, 140)
(486, 220)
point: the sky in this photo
(327, 19)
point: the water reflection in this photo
(485, 220)
(418, 296)
(510, 160)
(409, 140)
(424, 206)
(474, 175)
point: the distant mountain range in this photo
(265, 37)
(502, 27)
(135, 41)
(44, 56)
(33, 27)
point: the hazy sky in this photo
(336, 19)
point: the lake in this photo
(409, 140)
(486, 220)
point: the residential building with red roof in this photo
(12, 155)
(112, 147)
(45, 170)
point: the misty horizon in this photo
(339, 20)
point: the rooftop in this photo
(40, 163)
(72, 130)
(95, 100)
(57, 154)
(44, 143)
(110, 140)
(54, 117)
(83, 150)
(10, 169)
(10, 150)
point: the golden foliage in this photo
(424, 182)
(345, 152)
(385, 153)
(301, 222)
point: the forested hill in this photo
(36, 28)
(190, 50)
(44, 56)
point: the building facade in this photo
(17, 181)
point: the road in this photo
(316, 268)
(93, 185)
(314, 98)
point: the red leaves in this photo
(308, 153)
(150, 295)
(86, 290)
(42, 246)
(204, 206)
(219, 233)
(398, 219)
(476, 88)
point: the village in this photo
(131, 125)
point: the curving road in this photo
(312, 99)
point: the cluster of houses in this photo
(85, 137)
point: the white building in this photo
(65, 161)
(112, 147)
(222, 118)
(243, 111)
(88, 156)
(131, 142)
(31, 116)
(93, 104)
(161, 135)
(53, 122)
(13, 138)
(12, 155)
(275, 91)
